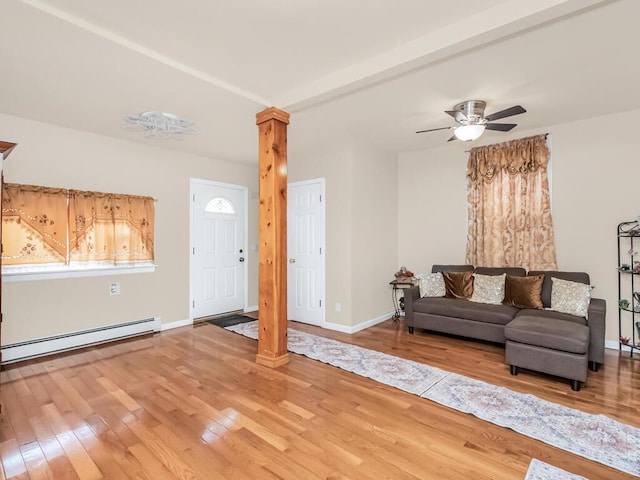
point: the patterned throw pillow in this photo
(488, 288)
(570, 297)
(431, 284)
(458, 284)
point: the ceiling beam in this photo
(141, 49)
(490, 25)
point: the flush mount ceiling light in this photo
(160, 125)
(468, 133)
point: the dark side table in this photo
(400, 283)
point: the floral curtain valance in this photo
(50, 225)
(521, 156)
(34, 224)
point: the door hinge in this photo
(320, 198)
(320, 250)
(193, 304)
(320, 303)
(194, 197)
(193, 250)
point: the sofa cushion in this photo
(546, 285)
(526, 312)
(458, 284)
(548, 333)
(460, 308)
(452, 268)
(513, 271)
(488, 288)
(431, 284)
(524, 292)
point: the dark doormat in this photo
(230, 320)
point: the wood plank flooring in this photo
(191, 403)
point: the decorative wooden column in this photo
(272, 238)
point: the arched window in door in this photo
(220, 205)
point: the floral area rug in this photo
(596, 437)
(538, 470)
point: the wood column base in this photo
(272, 362)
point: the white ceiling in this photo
(371, 70)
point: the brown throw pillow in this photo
(458, 284)
(524, 292)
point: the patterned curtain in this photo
(58, 226)
(509, 209)
(111, 228)
(34, 225)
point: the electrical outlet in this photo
(338, 307)
(114, 288)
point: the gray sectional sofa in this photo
(535, 339)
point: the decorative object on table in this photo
(403, 279)
(624, 340)
(624, 303)
(403, 273)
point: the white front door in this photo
(305, 247)
(218, 250)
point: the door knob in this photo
(292, 260)
(242, 259)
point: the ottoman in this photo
(548, 345)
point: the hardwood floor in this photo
(191, 403)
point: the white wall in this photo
(374, 236)
(361, 226)
(595, 170)
(60, 157)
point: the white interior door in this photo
(218, 249)
(305, 247)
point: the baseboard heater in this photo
(59, 343)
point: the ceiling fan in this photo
(469, 115)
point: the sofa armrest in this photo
(596, 320)
(410, 295)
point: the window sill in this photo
(75, 273)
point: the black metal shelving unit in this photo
(628, 277)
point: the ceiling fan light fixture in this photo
(467, 133)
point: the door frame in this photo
(323, 207)
(192, 182)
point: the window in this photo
(52, 229)
(220, 205)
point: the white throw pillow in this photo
(488, 288)
(570, 297)
(431, 284)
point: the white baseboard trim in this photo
(613, 345)
(356, 328)
(176, 324)
(252, 308)
(59, 343)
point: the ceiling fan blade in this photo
(501, 127)
(509, 112)
(453, 137)
(434, 129)
(457, 115)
